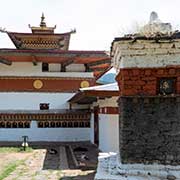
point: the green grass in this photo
(14, 149)
(9, 169)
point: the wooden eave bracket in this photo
(66, 63)
(3, 30)
(5, 61)
(34, 60)
(100, 62)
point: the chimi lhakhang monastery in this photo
(50, 93)
(36, 81)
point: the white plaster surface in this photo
(31, 101)
(20, 67)
(54, 67)
(75, 68)
(145, 54)
(28, 69)
(109, 133)
(92, 128)
(45, 134)
(110, 168)
(149, 61)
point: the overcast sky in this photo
(97, 21)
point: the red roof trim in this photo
(52, 51)
(92, 93)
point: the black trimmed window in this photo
(45, 67)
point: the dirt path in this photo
(32, 169)
(7, 158)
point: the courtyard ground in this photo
(53, 161)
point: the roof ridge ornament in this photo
(3, 30)
(42, 28)
(42, 23)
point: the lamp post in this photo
(25, 143)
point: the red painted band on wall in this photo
(144, 81)
(24, 84)
(109, 110)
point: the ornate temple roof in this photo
(42, 37)
(43, 45)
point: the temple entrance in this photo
(96, 125)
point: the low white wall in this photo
(45, 134)
(92, 128)
(75, 68)
(55, 67)
(29, 70)
(109, 133)
(31, 101)
(20, 67)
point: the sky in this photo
(97, 22)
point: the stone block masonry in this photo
(149, 130)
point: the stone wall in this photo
(150, 130)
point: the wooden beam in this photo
(100, 67)
(101, 93)
(104, 61)
(34, 61)
(66, 63)
(87, 69)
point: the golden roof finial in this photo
(43, 23)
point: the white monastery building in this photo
(37, 79)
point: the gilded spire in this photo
(42, 23)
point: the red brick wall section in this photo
(144, 81)
(109, 110)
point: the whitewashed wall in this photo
(108, 126)
(28, 69)
(29, 101)
(92, 128)
(75, 68)
(45, 134)
(145, 53)
(23, 67)
(109, 133)
(55, 67)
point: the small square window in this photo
(167, 86)
(44, 106)
(45, 67)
